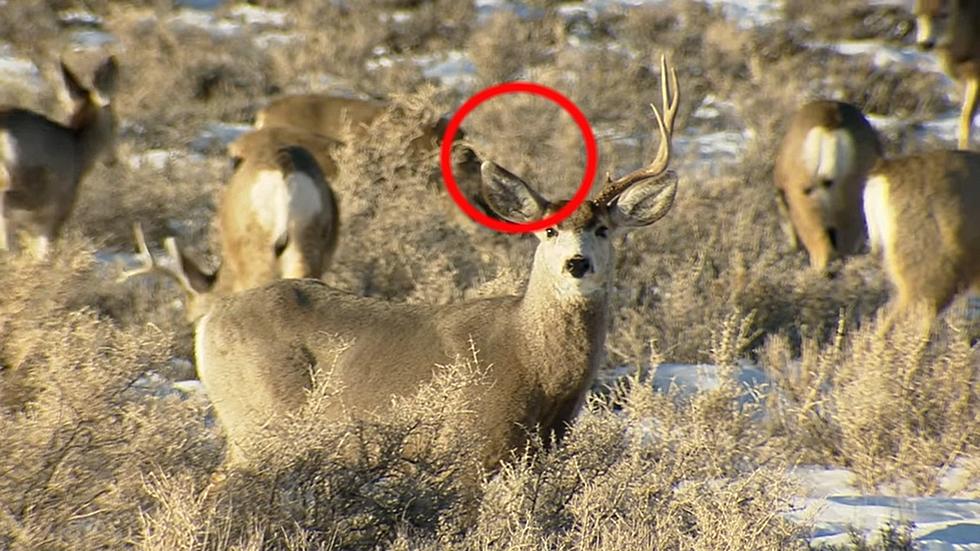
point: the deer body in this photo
(257, 142)
(277, 218)
(333, 116)
(395, 348)
(952, 27)
(922, 215)
(540, 349)
(42, 161)
(820, 171)
(320, 113)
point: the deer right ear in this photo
(199, 280)
(509, 196)
(644, 202)
(107, 76)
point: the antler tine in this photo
(149, 265)
(670, 98)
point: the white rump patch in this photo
(878, 214)
(283, 202)
(924, 29)
(8, 151)
(828, 154)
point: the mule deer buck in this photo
(922, 215)
(541, 348)
(820, 171)
(43, 161)
(953, 28)
(277, 219)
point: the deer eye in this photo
(551, 232)
(602, 231)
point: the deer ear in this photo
(106, 76)
(509, 196)
(76, 92)
(199, 280)
(645, 202)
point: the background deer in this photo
(277, 219)
(541, 349)
(43, 161)
(820, 171)
(260, 141)
(953, 28)
(336, 118)
(922, 214)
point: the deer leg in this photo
(969, 110)
(40, 246)
(785, 223)
(4, 240)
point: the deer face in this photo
(576, 256)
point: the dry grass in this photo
(98, 450)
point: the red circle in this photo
(591, 156)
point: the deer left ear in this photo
(645, 202)
(509, 196)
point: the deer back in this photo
(820, 171)
(258, 143)
(277, 218)
(922, 214)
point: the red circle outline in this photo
(591, 156)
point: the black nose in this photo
(577, 266)
(927, 45)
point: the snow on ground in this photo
(884, 55)
(833, 505)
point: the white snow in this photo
(833, 505)
(18, 70)
(884, 55)
(217, 133)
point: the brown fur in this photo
(257, 351)
(252, 254)
(954, 31)
(825, 215)
(934, 202)
(39, 180)
(276, 137)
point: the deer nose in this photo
(577, 266)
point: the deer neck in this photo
(93, 127)
(565, 335)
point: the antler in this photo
(670, 96)
(149, 265)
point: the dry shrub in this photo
(693, 269)
(403, 236)
(897, 406)
(646, 471)
(507, 45)
(76, 448)
(641, 471)
(172, 79)
(352, 485)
